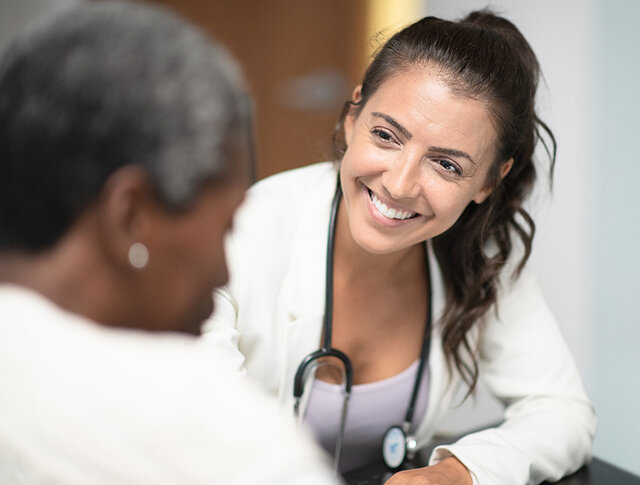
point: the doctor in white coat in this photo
(426, 288)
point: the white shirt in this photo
(84, 404)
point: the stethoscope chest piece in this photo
(394, 447)
(397, 446)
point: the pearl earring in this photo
(138, 255)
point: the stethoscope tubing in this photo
(328, 351)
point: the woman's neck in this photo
(356, 263)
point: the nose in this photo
(402, 177)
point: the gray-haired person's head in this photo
(103, 86)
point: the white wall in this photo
(587, 248)
(616, 233)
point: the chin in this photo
(206, 310)
(194, 329)
(190, 326)
(374, 244)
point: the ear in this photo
(350, 119)
(486, 192)
(125, 211)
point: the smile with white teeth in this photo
(390, 213)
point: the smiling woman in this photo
(425, 288)
(418, 155)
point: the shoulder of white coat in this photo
(515, 287)
(282, 195)
(274, 206)
(519, 297)
(511, 273)
(275, 214)
(298, 179)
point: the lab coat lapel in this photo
(304, 284)
(437, 364)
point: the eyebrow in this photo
(452, 153)
(393, 123)
(446, 151)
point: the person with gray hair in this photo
(125, 149)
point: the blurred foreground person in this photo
(124, 152)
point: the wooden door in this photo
(302, 59)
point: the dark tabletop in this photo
(598, 472)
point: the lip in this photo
(385, 221)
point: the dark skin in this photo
(88, 272)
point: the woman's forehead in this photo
(424, 104)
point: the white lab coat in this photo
(270, 316)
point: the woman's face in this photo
(417, 156)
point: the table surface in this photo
(598, 472)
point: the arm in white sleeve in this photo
(549, 420)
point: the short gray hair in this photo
(109, 84)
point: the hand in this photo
(449, 471)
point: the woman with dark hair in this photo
(425, 288)
(124, 152)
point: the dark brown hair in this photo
(484, 57)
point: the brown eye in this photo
(381, 134)
(449, 167)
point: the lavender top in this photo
(373, 408)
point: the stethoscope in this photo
(397, 444)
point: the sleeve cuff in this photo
(442, 452)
